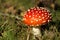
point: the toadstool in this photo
(37, 16)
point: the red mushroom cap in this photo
(37, 16)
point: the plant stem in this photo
(28, 36)
(28, 31)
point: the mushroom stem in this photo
(37, 33)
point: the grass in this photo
(12, 28)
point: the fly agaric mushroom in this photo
(37, 16)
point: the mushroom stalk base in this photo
(37, 33)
